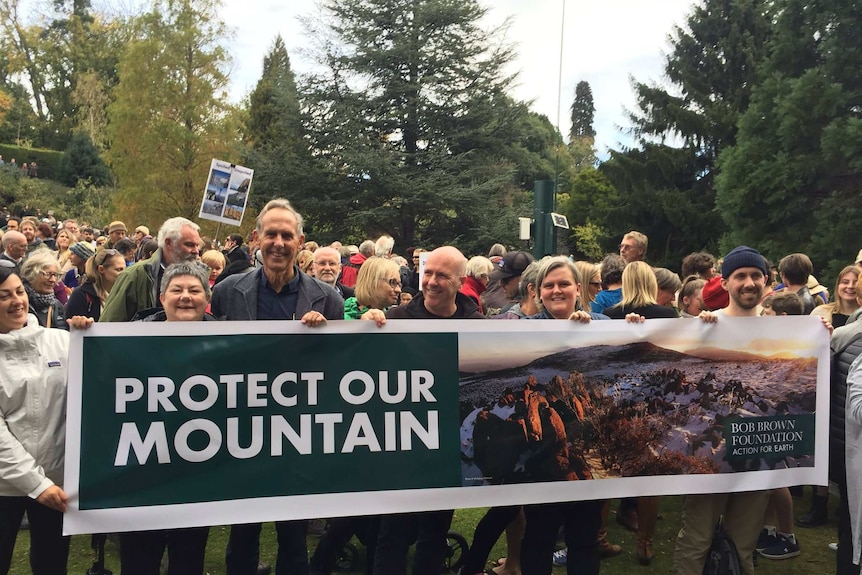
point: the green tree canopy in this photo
(170, 115)
(412, 118)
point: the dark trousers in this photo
(338, 535)
(488, 530)
(428, 529)
(243, 548)
(581, 521)
(49, 550)
(141, 551)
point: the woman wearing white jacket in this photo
(33, 369)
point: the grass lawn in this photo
(816, 557)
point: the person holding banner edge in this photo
(184, 294)
(32, 430)
(442, 278)
(743, 277)
(275, 291)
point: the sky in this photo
(604, 42)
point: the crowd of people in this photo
(56, 275)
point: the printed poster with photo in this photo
(244, 422)
(226, 193)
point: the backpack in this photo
(723, 558)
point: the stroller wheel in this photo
(456, 551)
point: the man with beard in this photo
(327, 268)
(28, 228)
(137, 288)
(743, 277)
(275, 291)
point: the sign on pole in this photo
(226, 193)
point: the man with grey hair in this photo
(383, 246)
(275, 291)
(14, 248)
(327, 268)
(137, 288)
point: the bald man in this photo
(443, 275)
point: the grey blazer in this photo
(235, 298)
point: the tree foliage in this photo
(81, 161)
(667, 184)
(413, 119)
(791, 183)
(276, 144)
(582, 137)
(51, 57)
(170, 115)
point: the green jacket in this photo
(135, 290)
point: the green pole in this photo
(543, 229)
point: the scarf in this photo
(39, 301)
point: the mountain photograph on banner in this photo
(637, 409)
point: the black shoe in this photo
(814, 518)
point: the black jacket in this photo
(841, 360)
(466, 308)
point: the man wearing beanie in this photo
(743, 277)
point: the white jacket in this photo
(33, 369)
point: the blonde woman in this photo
(102, 270)
(591, 276)
(846, 301)
(378, 287)
(63, 242)
(640, 293)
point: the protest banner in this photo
(226, 193)
(207, 423)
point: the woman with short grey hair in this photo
(40, 273)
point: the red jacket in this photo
(473, 288)
(350, 270)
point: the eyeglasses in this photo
(49, 275)
(393, 283)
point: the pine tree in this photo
(791, 183)
(413, 118)
(276, 145)
(667, 184)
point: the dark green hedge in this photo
(47, 160)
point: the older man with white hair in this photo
(137, 288)
(327, 268)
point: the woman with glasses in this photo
(101, 272)
(40, 272)
(378, 287)
(591, 275)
